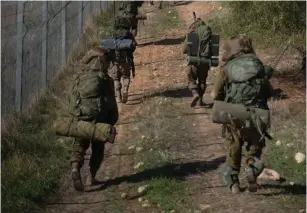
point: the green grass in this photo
(158, 134)
(269, 24)
(33, 157)
(289, 127)
(170, 194)
(164, 19)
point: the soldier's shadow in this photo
(175, 171)
(297, 189)
(166, 41)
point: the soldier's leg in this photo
(126, 81)
(117, 84)
(192, 77)
(95, 162)
(79, 149)
(202, 74)
(134, 26)
(233, 159)
(254, 164)
(160, 4)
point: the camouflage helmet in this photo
(96, 58)
(122, 22)
(237, 45)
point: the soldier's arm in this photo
(185, 46)
(219, 83)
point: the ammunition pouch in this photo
(70, 127)
(223, 112)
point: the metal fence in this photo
(36, 38)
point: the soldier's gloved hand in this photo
(112, 135)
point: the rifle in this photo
(132, 68)
(194, 16)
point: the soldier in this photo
(123, 63)
(130, 9)
(197, 74)
(243, 79)
(92, 99)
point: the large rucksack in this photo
(87, 95)
(200, 37)
(246, 81)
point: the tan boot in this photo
(195, 98)
(76, 177)
(91, 180)
(125, 97)
(118, 97)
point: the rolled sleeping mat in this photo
(82, 129)
(221, 111)
(196, 61)
(118, 44)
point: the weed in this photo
(169, 193)
(289, 127)
(33, 158)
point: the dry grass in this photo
(32, 159)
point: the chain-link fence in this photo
(36, 39)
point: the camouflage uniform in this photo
(122, 63)
(130, 9)
(109, 115)
(196, 75)
(237, 133)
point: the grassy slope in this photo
(289, 121)
(33, 158)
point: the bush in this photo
(267, 22)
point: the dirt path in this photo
(160, 68)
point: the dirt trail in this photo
(160, 66)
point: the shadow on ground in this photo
(182, 115)
(176, 171)
(286, 189)
(166, 41)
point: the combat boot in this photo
(199, 104)
(254, 168)
(125, 97)
(230, 178)
(76, 177)
(195, 98)
(90, 179)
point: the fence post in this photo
(64, 17)
(81, 19)
(44, 43)
(19, 57)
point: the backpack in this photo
(246, 81)
(200, 40)
(87, 95)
